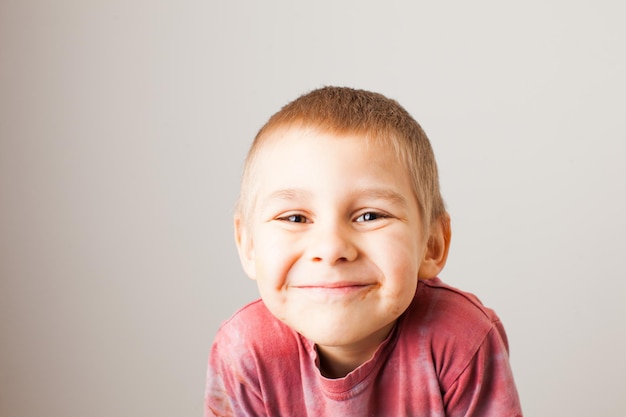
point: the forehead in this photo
(284, 145)
(309, 158)
(311, 138)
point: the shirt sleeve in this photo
(485, 387)
(230, 388)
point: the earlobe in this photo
(436, 253)
(245, 248)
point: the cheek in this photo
(400, 265)
(274, 259)
(400, 253)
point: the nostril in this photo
(331, 248)
(333, 261)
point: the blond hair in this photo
(341, 111)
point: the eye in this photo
(369, 216)
(294, 218)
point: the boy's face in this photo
(335, 240)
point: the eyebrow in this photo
(381, 194)
(392, 196)
(288, 194)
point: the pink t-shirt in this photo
(446, 356)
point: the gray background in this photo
(124, 124)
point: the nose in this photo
(332, 244)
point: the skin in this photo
(335, 241)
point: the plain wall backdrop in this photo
(123, 129)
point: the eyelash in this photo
(375, 214)
(291, 218)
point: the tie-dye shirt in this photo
(446, 356)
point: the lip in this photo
(334, 291)
(338, 284)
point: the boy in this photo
(341, 223)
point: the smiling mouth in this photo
(328, 292)
(334, 285)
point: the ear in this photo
(437, 248)
(245, 247)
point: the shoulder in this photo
(469, 351)
(253, 331)
(452, 325)
(437, 303)
(244, 352)
(247, 319)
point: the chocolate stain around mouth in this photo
(369, 289)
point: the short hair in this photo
(343, 111)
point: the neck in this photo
(339, 361)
